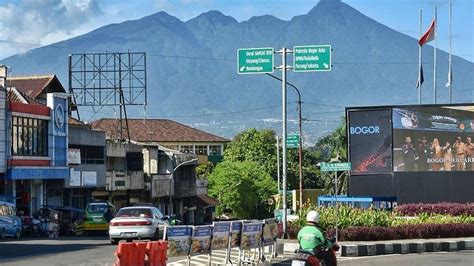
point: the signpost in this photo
(255, 60)
(305, 59)
(293, 141)
(312, 58)
(335, 167)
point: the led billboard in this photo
(433, 138)
(370, 141)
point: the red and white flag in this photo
(429, 34)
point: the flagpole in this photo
(419, 63)
(450, 62)
(434, 54)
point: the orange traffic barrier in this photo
(130, 254)
(157, 253)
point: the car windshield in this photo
(97, 207)
(135, 212)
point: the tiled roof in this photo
(13, 95)
(157, 130)
(33, 86)
(207, 201)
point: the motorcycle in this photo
(314, 258)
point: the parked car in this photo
(137, 222)
(10, 222)
(96, 216)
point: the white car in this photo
(137, 222)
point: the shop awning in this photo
(206, 201)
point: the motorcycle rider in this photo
(311, 238)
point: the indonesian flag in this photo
(429, 34)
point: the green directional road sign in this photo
(312, 58)
(255, 60)
(292, 141)
(335, 167)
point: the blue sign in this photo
(179, 231)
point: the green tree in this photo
(256, 146)
(242, 188)
(204, 170)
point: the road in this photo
(98, 251)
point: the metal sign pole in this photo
(335, 197)
(284, 135)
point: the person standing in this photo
(469, 154)
(408, 155)
(423, 155)
(437, 152)
(448, 156)
(459, 150)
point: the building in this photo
(36, 141)
(170, 134)
(170, 173)
(86, 160)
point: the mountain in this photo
(372, 65)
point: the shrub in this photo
(409, 231)
(454, 209)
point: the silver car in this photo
(137, 222)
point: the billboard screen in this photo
(370, 141)
(433, 138)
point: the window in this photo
(91, 154)
(215, 150)
(201, 149)
(186, 148)
(29, 136)
(134, 161)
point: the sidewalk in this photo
(403, 246)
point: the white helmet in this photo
(312, 216)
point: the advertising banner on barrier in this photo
(179, 240)
(251, 236)
(270, 232)
(220, 235)
(201, 240)
(235, 234)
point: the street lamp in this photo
(300, 149)
(171, 181)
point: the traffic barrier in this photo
(131, 254)
(157, 253)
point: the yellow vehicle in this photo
(97, 216)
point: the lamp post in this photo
(300, 148)
(171, 181)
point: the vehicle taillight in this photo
(131, 223)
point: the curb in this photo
(404, 247)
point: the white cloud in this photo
(42, 22)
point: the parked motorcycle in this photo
(315, 258)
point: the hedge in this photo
(454, 209)
(418, 231)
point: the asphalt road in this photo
(98, 251)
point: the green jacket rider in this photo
(310, 236)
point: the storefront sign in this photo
(73, 156)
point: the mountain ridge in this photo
(192, 69)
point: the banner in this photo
(235, 234)
(251, 236)
(270, 232)
(201, 240)
(220, 235)
(433, 138)
(179, 240)
(370, 141)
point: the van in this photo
(94, 219)
(10, 222)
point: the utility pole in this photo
(278, 162)
(300, 148)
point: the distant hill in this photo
(372, 65)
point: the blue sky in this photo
(81, 16)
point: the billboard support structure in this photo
(109, 79)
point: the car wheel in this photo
(17, 234)
(114, 241)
